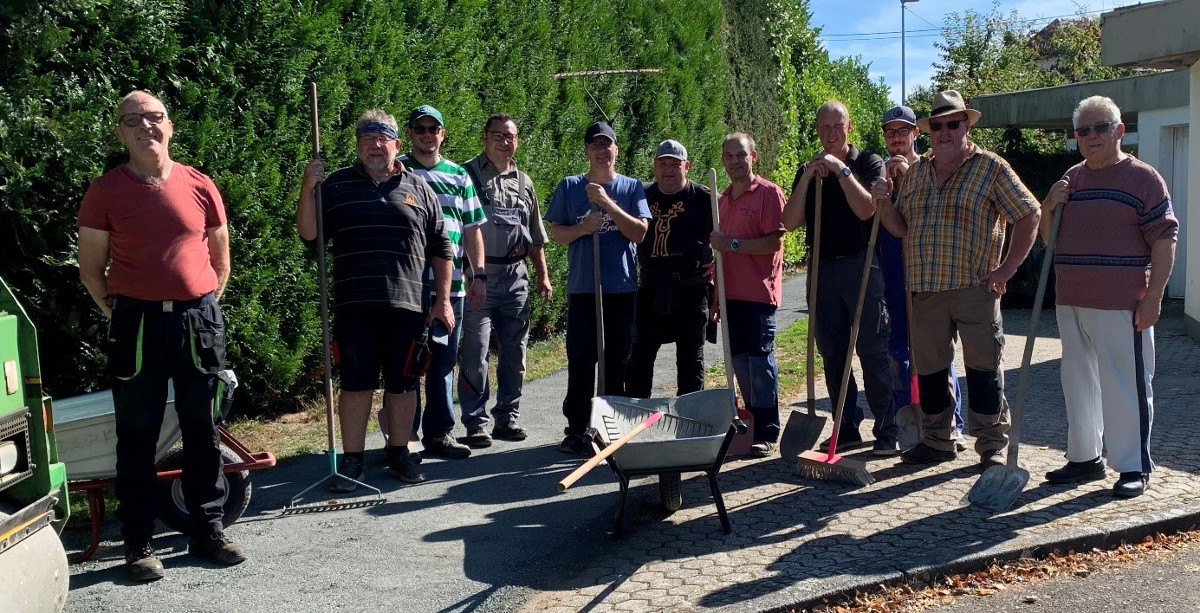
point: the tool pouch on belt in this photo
(507, 233)
(207, 327)
(416, 359)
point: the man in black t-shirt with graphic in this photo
(673, 289)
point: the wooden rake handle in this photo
(595, 460)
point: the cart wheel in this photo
(669, 491)
(173, 510)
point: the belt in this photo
(164, 306)
(507, 260)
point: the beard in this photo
(385, 164)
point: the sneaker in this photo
(509, 431)
(1077, 472)
(762, 449)
(446, 447)
(347, 467)
(924, 454)
(577, 444)
(141, 563)
(217, 548)
(478, 438)
(848, 440)
(1131, 485)
(883, 448)
(404, 468)
(960, 441)
(990, 458)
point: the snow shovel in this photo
(295, 506)
(999, 486)
(739, 426)
(804, 429)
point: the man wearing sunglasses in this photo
(952, 208)
(1113, 257)
(513, 234)
(847, 210)
(162, 226)
(464, 220)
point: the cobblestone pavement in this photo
(796, 540)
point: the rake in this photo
(295, 507)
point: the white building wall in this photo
(1192, 298)
(1156, 130)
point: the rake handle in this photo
(595, 460)
(810, 376)
(323, 286)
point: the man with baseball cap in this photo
(603, 210)
(673, 290)
(952, 208)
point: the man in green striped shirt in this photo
(463, 216)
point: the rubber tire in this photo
(172, 510)
(670, 492)
(38, 564)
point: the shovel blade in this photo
(801, 434)
(998, 488)
(908, 426)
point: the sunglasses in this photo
(425, 129)
(1100, 128)
(133, 120)
(936, 126)
(898, 132)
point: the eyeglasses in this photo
(375, 139)
(133, 120)
(897, 132)
(1100, 128)
(425, 129)
(936, 126)
(502, 137)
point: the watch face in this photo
(846, 171)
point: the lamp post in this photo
(903, 91)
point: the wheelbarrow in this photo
(86, 430)
(693, 435)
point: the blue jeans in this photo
(436, 417)
(752, 329)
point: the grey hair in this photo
(741, 136)
(139, 93)
(1097, 104)
(373, 115)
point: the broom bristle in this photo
(816, 465)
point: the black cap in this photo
(599, 128)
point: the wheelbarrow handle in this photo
(595, 460)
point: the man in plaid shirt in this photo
(952, 209)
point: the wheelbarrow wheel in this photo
(670, 491)
(173, 509)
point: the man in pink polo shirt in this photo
(750, 238)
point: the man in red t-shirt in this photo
(161, 224)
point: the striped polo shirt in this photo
(956, 230)
(460, 207)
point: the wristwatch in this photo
(735, 244)
(846, 171)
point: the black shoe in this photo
(217, 548)
(141, 563)
(404, 468)
(446, 447)
(924, 454)
(848, 440)
(577, 444)
(1077, 472)
(349, 467)
(508, 431)
(1131, 485)
(990, 458)
(478, 438)
(762, 449)
(883, 448)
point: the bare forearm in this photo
(632, 228)
(474, 245)
(793, 211)
(306, 214)
(1162, 260)
(1024, 232)
(893, 220)
(857, 197)
(762, 245)
(537, 253)
(566, 234)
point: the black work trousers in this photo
(582, 351)
(683, 324)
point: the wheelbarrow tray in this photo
(86, 429)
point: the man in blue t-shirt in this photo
(610, 207)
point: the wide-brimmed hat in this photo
(945, 103)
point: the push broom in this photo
(829, 465)
(296, 506)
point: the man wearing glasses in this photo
(162, 226)
(846, 213)
(387, 228)
(952, 207)
(464, 218)
(513, 233)
(1113, 257)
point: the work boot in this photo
(1131, 485)
(402, 467)
(141, 563)
(350, 467)
(577, 444)
(885, 448)
(924, 454)
(217, 548)
(1077, 472)
(446, 447)
(762, 449)
(478, 438)
(508, 431)
(990, 458)
(848, 440)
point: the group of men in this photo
(427, 252)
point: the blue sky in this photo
(870, 29)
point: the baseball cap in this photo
(599, 128)
(900, 113)
(425, 111)
(671, 149)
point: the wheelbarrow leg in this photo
(95, 498)
(619, 523)
(720, 501)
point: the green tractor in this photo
(33, 482)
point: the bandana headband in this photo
(376, 127)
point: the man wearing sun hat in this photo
(952, 208)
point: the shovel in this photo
(999, 486)
(908, 418)
(804, 429)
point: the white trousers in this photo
(1106, 368)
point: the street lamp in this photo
(903, 91)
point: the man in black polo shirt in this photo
(385, 224)
(846, 211)
(673, 293)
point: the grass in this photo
(789, 354)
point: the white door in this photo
(1178, 183)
